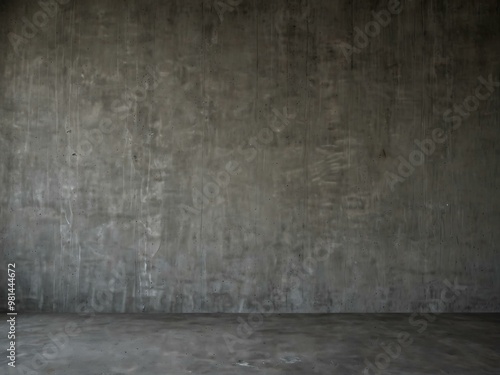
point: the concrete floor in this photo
(277, 344)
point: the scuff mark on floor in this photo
(245, 364)
(291, 359)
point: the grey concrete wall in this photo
(190, 156)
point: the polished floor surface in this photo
(112, 344)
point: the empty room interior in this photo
(250, 187)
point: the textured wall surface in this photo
(199, 156)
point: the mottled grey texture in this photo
(100, 196)
(343, 344)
